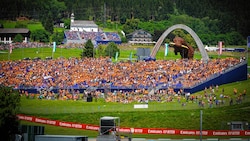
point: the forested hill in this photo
(230, 15)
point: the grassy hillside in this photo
(31, 25)
(167, 115)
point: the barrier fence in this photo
(166, 131)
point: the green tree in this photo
(58, 37)
(66, 23)
(235, 38)
(20, 25)
(100, 51)
(18, 38)
(9, 107)
(88, 50)
(51, 11)
(131, 25)
(48, 23)
(40, 35)
(111, 50)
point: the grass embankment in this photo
(166, 115)
(43, 52)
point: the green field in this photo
(31, 25)
(165, 115)
(43, 52)
(125, 51)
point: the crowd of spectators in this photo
(88, 35)
(211, 97)
(24, 45)
(113, 36)
(102, 73)
(72, 35)
(96, 36)
(92, 72)
(69, 75)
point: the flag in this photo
(130, 56)
(11, 48)
(220, 44)
(248, 41)
(116, 56)
(54, 46)
(166, 49)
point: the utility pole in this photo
(201, 125)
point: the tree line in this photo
(211, 19)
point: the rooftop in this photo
(14, 30)
(83, 23)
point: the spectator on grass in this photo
(231, 101)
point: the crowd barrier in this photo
(134, 130)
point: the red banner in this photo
(137, 130)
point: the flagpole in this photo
(52, 55)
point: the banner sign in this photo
(137, 130)
(220, 44)
(166, 49)
(116, 56)
(54, 46)
(140, 106)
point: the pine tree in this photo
(88, 51)
(111, 50)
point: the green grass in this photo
(34, 26)
(43, 52)
(165, 115)
(21, 53)
(8, 24)
(31, 25)
(57, 29)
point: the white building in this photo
(82, 25)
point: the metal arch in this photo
(190, 31)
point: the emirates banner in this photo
(137, 130)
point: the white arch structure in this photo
(190, 31)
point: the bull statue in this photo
(185, 50)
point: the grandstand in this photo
(82, 37)
(81, 31)
(189, 75)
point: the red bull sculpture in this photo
(181, 46)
